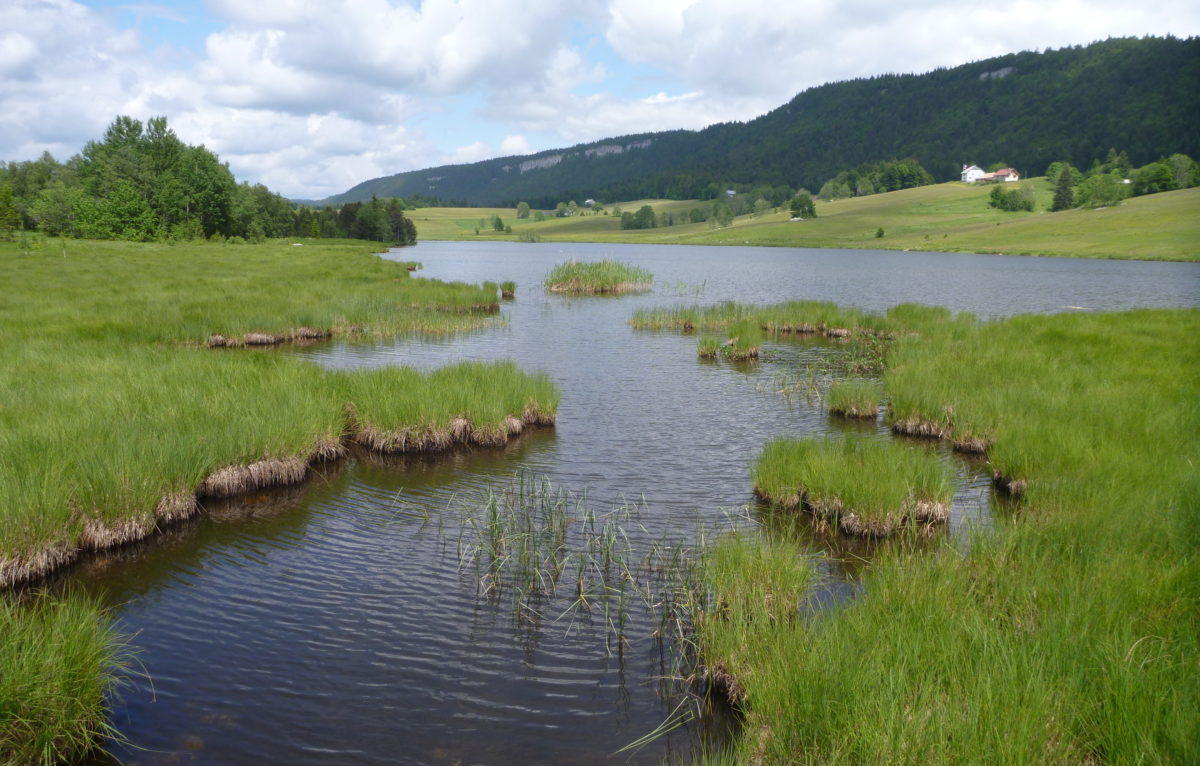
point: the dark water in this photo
(331, 623)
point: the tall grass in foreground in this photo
(862, 486)
(52, 699)
(607, 276)
(1070, 633)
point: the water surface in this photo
(330, 623)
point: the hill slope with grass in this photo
(951, 217)
(1025, 109)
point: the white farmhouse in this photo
(971, 174)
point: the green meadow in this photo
(951, 217)
(1067, 633)
(116, 416)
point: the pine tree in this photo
(1064, 195)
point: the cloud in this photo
(514, 145)
(312, 99)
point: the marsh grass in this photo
(116, 419)
(508, 289)
(552, 557)
(861, 486)
(855, 398)
(598, 277)
(1067, 633)
(708, 347)
(59, 658)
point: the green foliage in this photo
(1153, 178)
(802, 206)
(642, 219)
(833, 189)
(1102, 190)
(1055, 170)
(522, 210)
(879, 233)
(10, 221)
(1064, 194)
(1011, 200)
(876, 178)
(1184, 170)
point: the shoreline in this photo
(234, 480)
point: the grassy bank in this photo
(1069, 633)
(117, 418)
(598, 278)
(952, 217)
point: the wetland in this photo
(340, 619)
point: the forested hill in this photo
(1023, 109)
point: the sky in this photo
(312, 97)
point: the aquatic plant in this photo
(118, 418)
(708, 347)
(508, 289)
(595, 277)
(855, 398)
(861, 486)
(1064, 633)
(59, 658)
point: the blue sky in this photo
(313, 97)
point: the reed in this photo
(59, 657)
(855, 398)
(799, 318)
(861, 486)
(708, 347)
(598, 277)
(508, 289)
(1067, 632)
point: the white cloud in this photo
(311, 99)
(514, 145)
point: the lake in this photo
(332, 622)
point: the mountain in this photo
(1023, 109)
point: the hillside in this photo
(1024, 109)
(949, 217)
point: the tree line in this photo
(142, 183)
(1031, 107)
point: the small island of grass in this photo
(863, 487)
(597, 278)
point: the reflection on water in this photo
(332, 623)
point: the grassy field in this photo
(952, 217)
(1069, 633)
(116, 418)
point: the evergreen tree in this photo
(1064, 192)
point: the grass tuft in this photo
(598, 277)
